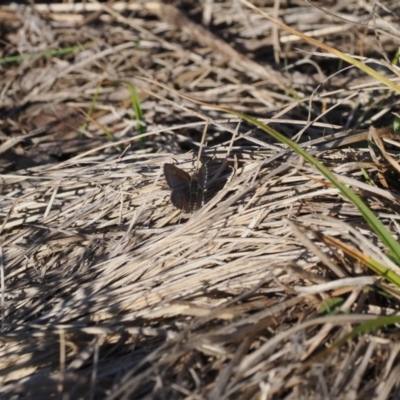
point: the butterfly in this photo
(187, 191)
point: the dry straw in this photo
(109, 291)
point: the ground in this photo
(273, 284)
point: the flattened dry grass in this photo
(108, 291)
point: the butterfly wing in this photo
(175, 176)
(188, 193)
(180, 198)
(201, 186)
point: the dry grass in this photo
(108, 291)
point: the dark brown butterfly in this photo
(187, 191)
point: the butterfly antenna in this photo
(203, 139)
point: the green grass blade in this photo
(368, 215)
(48, 54)
(137, 109)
